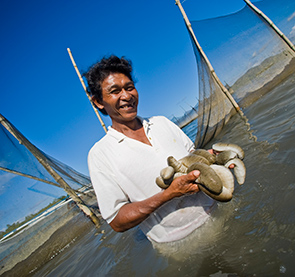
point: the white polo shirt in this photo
(124, 170)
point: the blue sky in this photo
(41, 94)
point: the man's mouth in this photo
(127, 106)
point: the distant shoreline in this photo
(256, 94)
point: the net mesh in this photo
(248, 56)
(214, 108)
(26, 187)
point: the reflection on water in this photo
(254, 234)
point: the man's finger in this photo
(194, 175)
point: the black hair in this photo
(99, 71)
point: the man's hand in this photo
(132, 214)
(184, 185)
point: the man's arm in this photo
(131, 214)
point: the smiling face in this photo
(119, 98)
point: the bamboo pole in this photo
(85, 89)
(29, 176)
(223, 88)
(43, 161)
(37, 179)
(272, 25)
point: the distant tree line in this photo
(17, 224)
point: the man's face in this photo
(119, 98)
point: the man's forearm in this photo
(132, 214)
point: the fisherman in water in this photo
(124, 164)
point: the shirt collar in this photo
(145, 122)
(120, 136)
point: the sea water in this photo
(252, 235)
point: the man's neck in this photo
(126, 127)
(133, 129)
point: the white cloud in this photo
(291, 16)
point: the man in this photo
(124, 164)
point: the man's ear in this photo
(96, 102)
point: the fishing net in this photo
(26, 187)
(248, 56)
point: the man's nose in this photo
(125, 94)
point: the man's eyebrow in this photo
(126, 84)
(118, 86)
(112, 86)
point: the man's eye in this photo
(130, 88)
(115, 91)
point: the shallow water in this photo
(252, 235)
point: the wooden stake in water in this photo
(44, 162)
(212, 71)
(85, 89)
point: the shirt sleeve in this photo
(109, 194)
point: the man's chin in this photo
(130, 113)
(129, 116)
